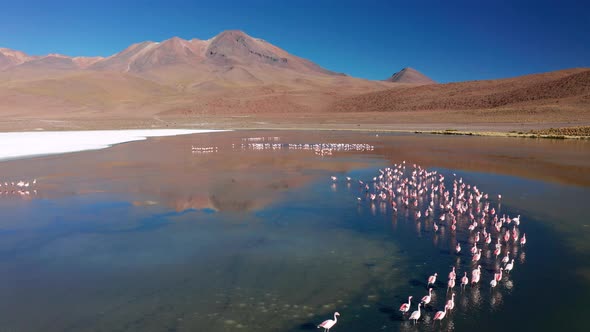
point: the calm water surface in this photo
(241, 236)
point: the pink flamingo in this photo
(452, 274)
(451, 284)
(475, 274)
(426, 299)
(523, 239)
(432, 279)
(329, 323)
(506, 236)
(406, 306)
(497, 252)
(514, 235)
(458, 248)
(477, 256)
(416, 314)
(440, 315)
(464, 280)
(451, 302)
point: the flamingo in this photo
(509, 266)
(497, 252)
(498, 276)
(451, 284)
(452, 274)
(458, 248)
(493, 283)
(329, 323)
(416, 314)
(406, 306)
(523, 239)
(440, 315)
(477, 256)
(516, 220)
(426, 299)
(506, 258)
(333, 178)
(476, 273)
(432, 279)
(451, 302)
(464, 280)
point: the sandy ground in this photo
(364, 122)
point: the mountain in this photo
(241, 79)
(410, 75)
(229, 48)
(231, 72)
(10, 58)
(559, 96)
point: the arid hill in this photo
(410, 75)
(561, 95)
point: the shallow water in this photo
(152, 236)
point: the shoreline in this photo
(30, 144)
(502, 134)
(526, 130)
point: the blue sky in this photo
(446, 40)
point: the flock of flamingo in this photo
(273, 143)
(20, 187)
(463, 209)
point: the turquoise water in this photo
(123, 258)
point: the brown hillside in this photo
(528, 91)
(410, 75)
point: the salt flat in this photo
(16, 145)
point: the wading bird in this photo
(406, 306)
(329, 323)
(416, 314)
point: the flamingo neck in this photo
(335, 318)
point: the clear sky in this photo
(446, 40)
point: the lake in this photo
(247, 231)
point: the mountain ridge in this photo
(231, 47)
(410, 75)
